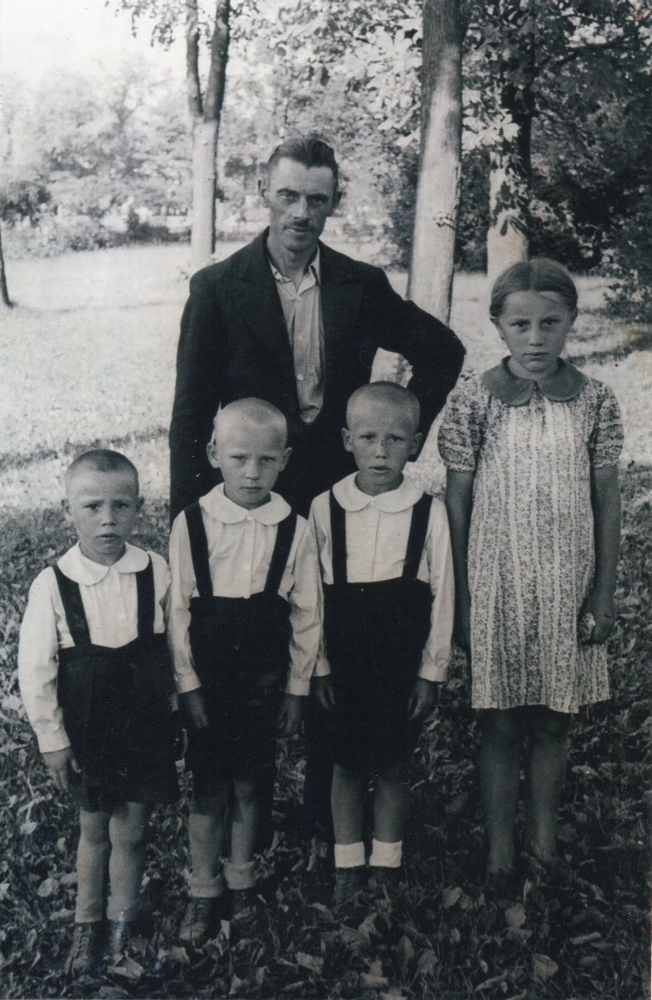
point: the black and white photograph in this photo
(325, 499)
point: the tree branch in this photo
(583, 50)
(219, 58)
(192, 60)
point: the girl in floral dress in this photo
(531, 450)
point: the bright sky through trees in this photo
(40, 35)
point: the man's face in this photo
(299, 200)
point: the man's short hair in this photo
(309, 150)
(102, 460)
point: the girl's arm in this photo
(459, 503)
(605, 500)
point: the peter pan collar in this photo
(351, 498)
(564, 384)
(75, 565)
(218, 506)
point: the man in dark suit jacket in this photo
(235, 340)
(293, 322)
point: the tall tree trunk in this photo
(206, 113)
(4, 291)
(433, 245)
(507, 238)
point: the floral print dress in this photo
(531, 447)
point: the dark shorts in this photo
(371, 732)
(238, 745)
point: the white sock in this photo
(240, 876)
(349, 855)
(384, 855)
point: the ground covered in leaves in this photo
(580, 934)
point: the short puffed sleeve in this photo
(462, 428)
(606, 438)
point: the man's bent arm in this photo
(434, 351)
(197, 396)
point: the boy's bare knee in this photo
(208, 805)
(94, 828)
(246, 792)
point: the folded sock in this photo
(349, 855)
(206, 888)
(384, 855)
(240, 876)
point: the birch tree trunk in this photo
(4, 291)
(205, 112)
(507, 241)
(507, 237)
(433, 246)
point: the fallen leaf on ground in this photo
(586, 938)
(515, 916)
(544, 967)
(427, 961)
(452, 896)
(312, 962)
(127, 968)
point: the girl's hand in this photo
(289, 718)
(58, 763)
(323, 690)
(601, 607)
(462, 627)
(195, 708)
(422, 698)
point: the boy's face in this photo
(382, 436)
(250, 456)
(103, 507)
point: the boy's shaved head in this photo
(101, 460)
(249, 411)
(387, 394)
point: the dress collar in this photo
(351, 498)
(219, 507)
(77, 567)
(560, 386)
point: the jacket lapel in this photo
(257, 300)
(341, 298)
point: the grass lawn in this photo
(88, 355)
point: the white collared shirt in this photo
(240, 547)
(303, 319)
(377, 530)
(110, 598)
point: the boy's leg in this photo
(347, 803)
(239, 870)
(390, 808)
(546, 764)
(206, 836)
(127, 862)
(499, 782)
(92, 856)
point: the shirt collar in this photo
(314, 268)
(75, 565)
(219, 507)
(560, 386)
(351, 498)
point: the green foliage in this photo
(586, 929)
(82, 155)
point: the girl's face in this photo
(534, 325)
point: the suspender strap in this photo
(73, 607)
(146, 600)
(199, 549)
(284, 538)
(338, 540)
(417, 537)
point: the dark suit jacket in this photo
(234, 344)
